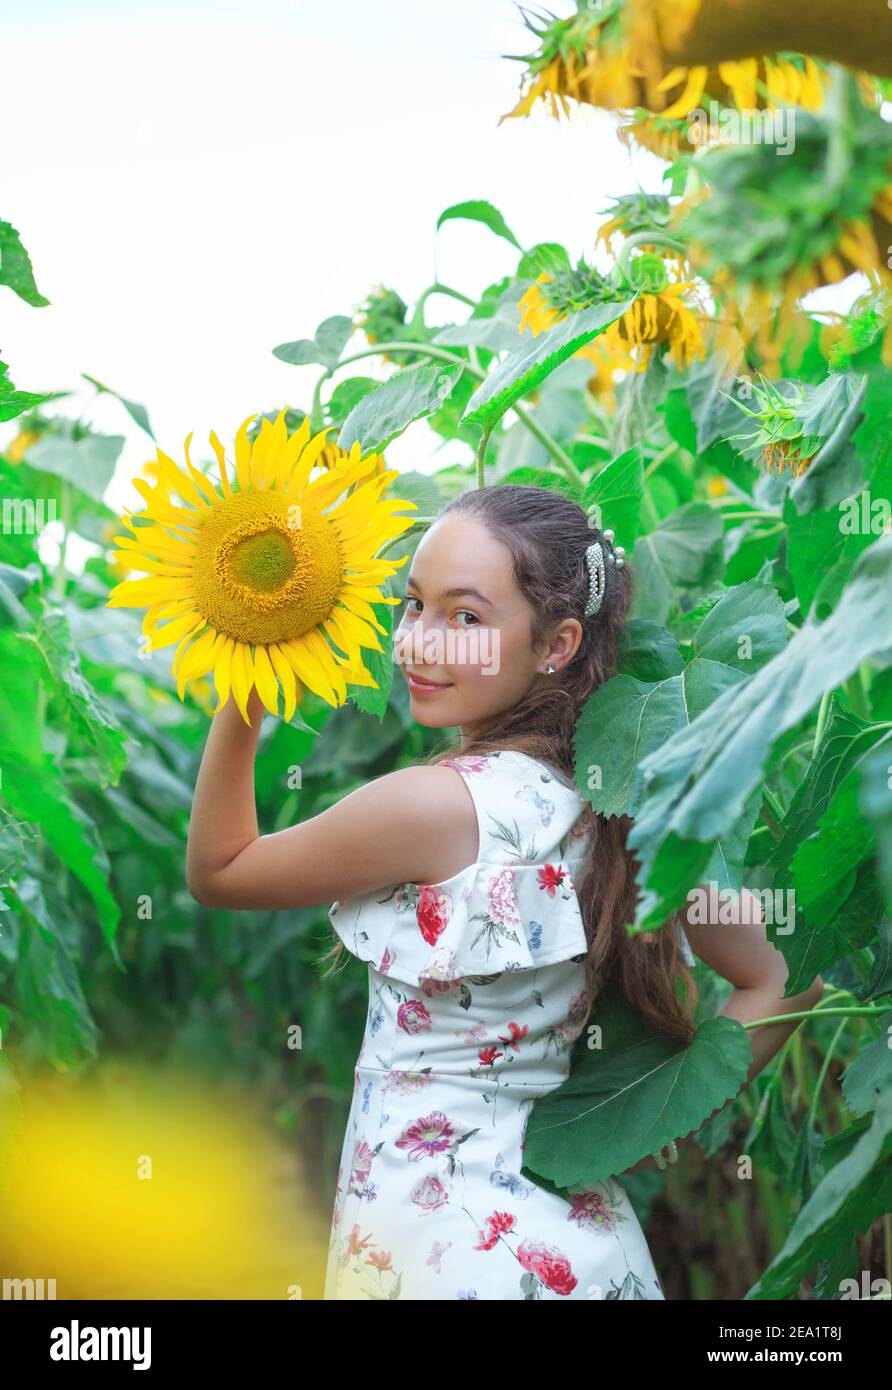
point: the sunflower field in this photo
(680, 383)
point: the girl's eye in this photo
(469, 613)
(410, 599)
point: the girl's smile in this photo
(420, 686)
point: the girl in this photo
(490, 903)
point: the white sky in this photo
(197, 183)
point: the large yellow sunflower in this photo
(260, 579)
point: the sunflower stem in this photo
(481, 455)
(645, 239)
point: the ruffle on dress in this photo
(486, 919)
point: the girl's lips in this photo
(423, 687)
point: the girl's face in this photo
(466, 629)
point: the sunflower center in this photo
(265, 561)
(266, 569)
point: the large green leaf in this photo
(96, 725)
(854, 1194)
(15, 267)
(88, 463)
(876, 804)
(633, 1096)
(846, 740)
(685, 552)
(627, 718)
(698, 784)
(870, 1075)
(406, 396)
(528, 365)
(479, 210)
(824, 866)
(820, 556)
(614, 497)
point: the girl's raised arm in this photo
(415, 825)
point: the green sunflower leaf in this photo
(696, 786)
(406, 396)
(325, 347)
(478, 210)
(529, 365)
(15, 267)
(632, 1096)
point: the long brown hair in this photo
(548, 534)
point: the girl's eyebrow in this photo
(458, 592)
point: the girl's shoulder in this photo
(526, 809)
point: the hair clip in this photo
(594, 559)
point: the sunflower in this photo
(260, 579)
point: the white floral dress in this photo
(476, 995)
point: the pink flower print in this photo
(380, 1259)
(361, 1165)
(551, 878)
(438, 1250)
(591, 1209)
(386, 962)
(433, 912)
(406, 1083)
(431, 1135)
(516, 1031)
(430, 1194)
(467, 762)
(548, 1264)
(487, 1055)
(413, 1017)
(503, 906)
(496, 1225)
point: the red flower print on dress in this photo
(591, 1209)
(516, 1031)
(487, 1055)
(424, 1138)
(413, 1017)
(503, 899)
(356, 1243)
(550, 1266)
(552, 877)
(430, 1194)
(433, 911)
(386, 962)
(496, 1225)
(361, 1165)
(380, 1259)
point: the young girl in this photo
(490, 903)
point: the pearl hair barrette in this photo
(594, 559)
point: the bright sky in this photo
(197, 183)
